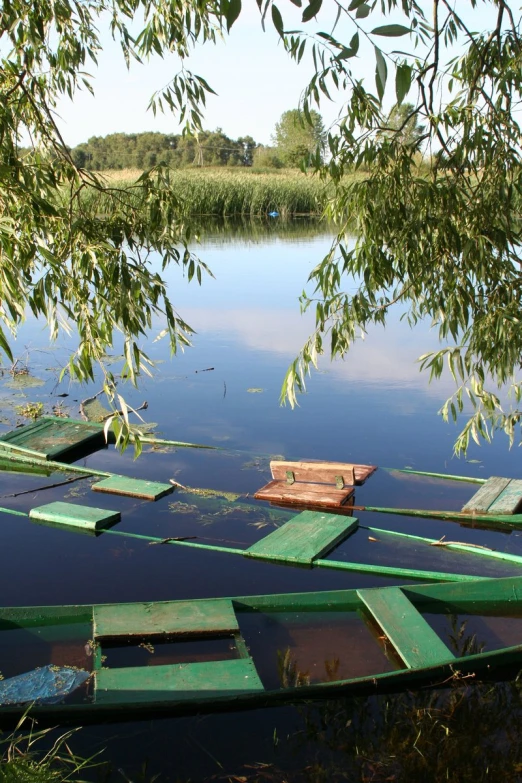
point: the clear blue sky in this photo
(255, 79)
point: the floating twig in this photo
(177, 484)
(172, 538)
(441, 542)
(49, 486)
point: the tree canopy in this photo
(298, 138)
(145, 150)
(440, 242)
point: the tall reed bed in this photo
(247, 193)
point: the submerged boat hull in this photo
(395, 616)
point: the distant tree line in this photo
(293, 142)
(144, 150)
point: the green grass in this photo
(34, 756)
(246, 192)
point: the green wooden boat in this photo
(126, 661)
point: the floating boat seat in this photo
(136, 488)
(496, 496)
(305, 538)
(55, 438)
(73, 515)
(179, 618)
(323, 484)
(181, 681)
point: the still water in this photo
(375, 407)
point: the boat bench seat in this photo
(321, 484)
(185, 682)
(182, 618)
(496, 496)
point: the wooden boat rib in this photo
(395, 618)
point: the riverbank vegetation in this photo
(225, 192)
(293, 140)
(443, 246)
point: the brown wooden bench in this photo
(323, 484)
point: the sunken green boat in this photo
(125, 661)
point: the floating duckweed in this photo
(213, 493)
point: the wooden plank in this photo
(501, 593)
(183, 618)
(309, 535)
(50, 437)
(322, 472)
(417, 644)
(509, 499)
(136, 488)
(486, 495)
(306, 494)
(74, 515)
(182, 682)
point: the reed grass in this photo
(31, 755)
(246, 193)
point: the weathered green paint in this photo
(456, 547)
(487, 494)
(52, 437)
(52, 465)
(74, 515)
(445, 476)
(506, 520)
(416, 643)
(509, 499)
(304, 538)
(405, 573)
(142, 691)
(8, 465)
(178, 683)
(396, 571)
(504, 592)
(183, 618)
(137, 488)
(176, 443)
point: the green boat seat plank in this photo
(509, 499)
(486, 495)
(416, 643)
(52, 437)
(137, 488)
(181, 682)
(183, 618)
(75, 515)
(304, 538)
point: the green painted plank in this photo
(452, 546)
(51, 437)
(304, 538)
(395, 571)
(74, 515)
(487, 494)
(215, 616)
(417, 644)
(509, 499)
(137, 488)
(504, 592)
(176, 683)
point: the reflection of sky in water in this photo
(249, 328)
